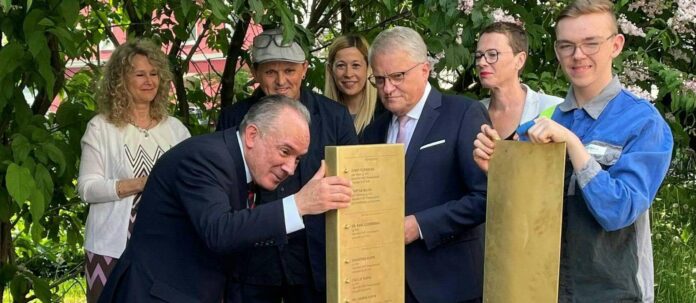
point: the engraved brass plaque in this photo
(523, 222)
(365, 242)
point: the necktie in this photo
(401, 135)
(251, 195)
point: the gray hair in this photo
(266, 111)
(400, 38)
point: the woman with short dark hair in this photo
(500, 57)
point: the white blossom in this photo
(466, 6)
(458, 39)
(679, 54)
(627, 27)
(634, 72)
(434, 60)
(499, 15)
(651, 8)
(640, 92)
(686, 11)
(691, 85)
(681, 27)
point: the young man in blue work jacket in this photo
(619, 149)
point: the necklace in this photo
(146, 130)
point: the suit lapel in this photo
(425, 123)
(230, 137)
(306, 171)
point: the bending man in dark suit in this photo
(194, 210)
(445, 190)
(294, 272)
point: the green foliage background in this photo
(41, 217)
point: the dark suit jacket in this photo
(446, 192)
(191, 217)
(331, 124)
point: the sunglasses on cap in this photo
(264, 40)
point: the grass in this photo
(673, 217)
(71, 291)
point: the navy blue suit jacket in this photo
(191, 219)
(446, 192)
(331, 124)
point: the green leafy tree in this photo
(41, 217)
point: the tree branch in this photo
(233, 54)
(136, 27)
(317, 13)
(325, 21)
(403, 15)
(43, 100)
(107, 26)
(6, 248)
(177, 68)
(347, 24)
(195, 46)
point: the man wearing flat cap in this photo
(295, 271)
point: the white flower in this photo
(458, 39)
(627, 27)
(634, 71)
(651, 8)
(640, 92)
(686, 11)
(436, 58)
(679, 54)
(690, 85)
(466, 6)
(499, 15)
(680, 26)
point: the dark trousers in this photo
(285, 294)
(410, 298)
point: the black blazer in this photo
(331, 124)
(446, 192)
(191, 220)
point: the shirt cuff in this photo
(420, 232)
(113, 189)
(293, 220)
(585, 175)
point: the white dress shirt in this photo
(414, 114)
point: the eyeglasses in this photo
(264, 40)
(565, 49)
(394, 78)
(491, 55)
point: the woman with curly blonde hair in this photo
(120, 146)
(346, 79)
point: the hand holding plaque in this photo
(321, 193)
(484, 145)
(411, 229)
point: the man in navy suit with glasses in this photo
(445, 190)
